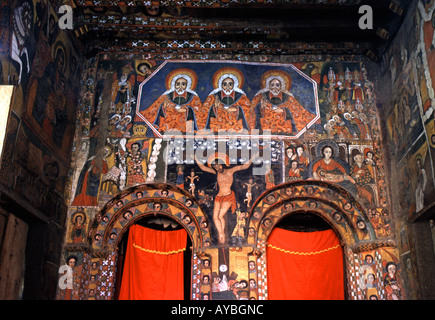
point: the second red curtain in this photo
(305, 265)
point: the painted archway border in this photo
(134, 203)
(335, 205)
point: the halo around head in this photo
(228, 70)
(180, 72)
(148, 64)
(220, 157)
(78, 214)
(280, 75)
(327, 143)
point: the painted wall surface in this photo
(42, 63)
(125, 115)
(40, 60)
(408, 69)
(323, 154)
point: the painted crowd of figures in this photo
(274, 109)
(227, 190)
(346, 93)
(123, 165)
(227, 107)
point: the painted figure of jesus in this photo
(226, 198)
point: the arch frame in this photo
(329, 200)
(354, 227)
(174, 203)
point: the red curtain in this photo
(305, 265)
(153, 267)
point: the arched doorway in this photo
(329, 202)
(146, 206)
(334, 205)
(304, 259)
(157, 223)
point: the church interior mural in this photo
(232, 186)
(215, 167)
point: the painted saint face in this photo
(144, 69)
(72, 262)
(134, 148)
(289, 153)
(300, 151)
(79, 220)
(275, 87)
(327, 152)
(358, 159)
(180, 85)
(228, 86)
(391, 269)
(218, 167)
(341, 106)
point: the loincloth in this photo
(228, 198)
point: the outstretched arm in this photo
(204, 167)
(246, 165)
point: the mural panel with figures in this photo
(410, 123)
(40, 60)
(216, 141)
(215, 96)
(223, 145)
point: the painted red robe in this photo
(232, 113)
(171, 112)
(280, 114)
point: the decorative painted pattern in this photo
(120, 212)
(344, 212)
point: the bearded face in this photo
(275, 87)
(23, 17)
(180, 86)
(218, 167)
(123, 78)
(228, 86)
